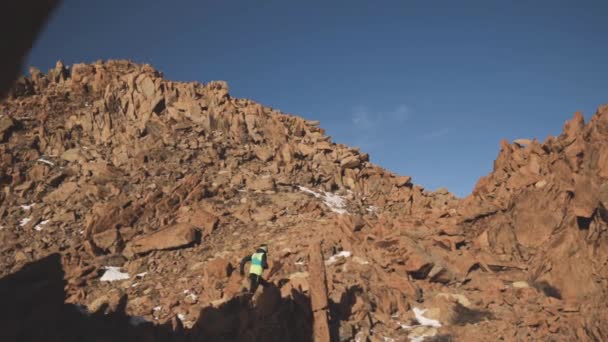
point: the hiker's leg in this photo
(254, 282)
(251, 282)
(263, 282)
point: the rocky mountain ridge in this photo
(161, 187)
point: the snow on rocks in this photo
(24, 221)
(404, 326)
(42, 160)
(39, 227)
(426, 327)
(424, 320)
(307, 190)
(334, 258)
(187, 323)
(372, 209)
(336, 203)
(191, 297)
(114, 273)
(27, 207)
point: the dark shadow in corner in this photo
(22, 21)
(33, 309)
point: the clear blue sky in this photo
(428, 88)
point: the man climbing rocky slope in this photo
(152, 190)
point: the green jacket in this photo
(258, 263)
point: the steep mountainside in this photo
(132, 200)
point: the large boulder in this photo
(218, 268)
(178, 235)
(350, 162)
(262, 183)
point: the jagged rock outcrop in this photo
(548, 214)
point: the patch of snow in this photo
(191, 295)
(405, 326)
(141, 275)
(334, 258)
(135, 285)
(307, 190)
(423, 320)
(181, 317)
(372, 209)
(157, 308)
(28, 206)
(300, 263)
(336, 203)
(388, 339)
(39, 225)
(42, 160)
(137, 320)
(24, 221)
(113, 273)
